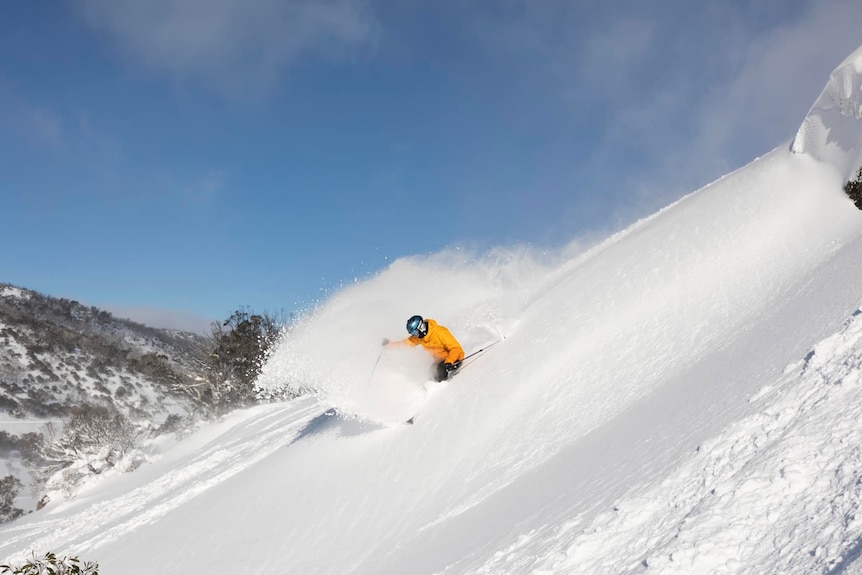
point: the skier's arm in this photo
(410, 341)
(455, 354)
(454, 351)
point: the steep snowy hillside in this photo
(57, 353)
(681, 398)
(829, 132)
(57, 356)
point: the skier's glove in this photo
(385, 341)
(450, 367)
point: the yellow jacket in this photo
(439, 342)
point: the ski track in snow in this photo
(777, 492)
(109, 520)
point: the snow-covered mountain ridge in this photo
(58, 353)
(682, 398)
(58, 356)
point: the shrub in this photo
(91, 430)
(9, 487)
(94, 439)
(853, 189)
(241, 344)
(53, 565)
(172, 424)
(8, 443)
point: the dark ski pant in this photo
(440, 373)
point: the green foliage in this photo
(853, 189)
(52, 565)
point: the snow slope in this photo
(681, 398)
(828, 132)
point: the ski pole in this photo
(489, 346)
(373, 369)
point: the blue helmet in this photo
(416, 326)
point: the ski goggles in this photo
(418, 330)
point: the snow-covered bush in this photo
(52, 565)
(94, 438)
(853, 189)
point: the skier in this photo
(437, 340)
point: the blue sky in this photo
(174, 160)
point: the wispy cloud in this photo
(241, 47)
(37, 126)
(766, 92)
(677, 94)
(48, 126)
(79, 139)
